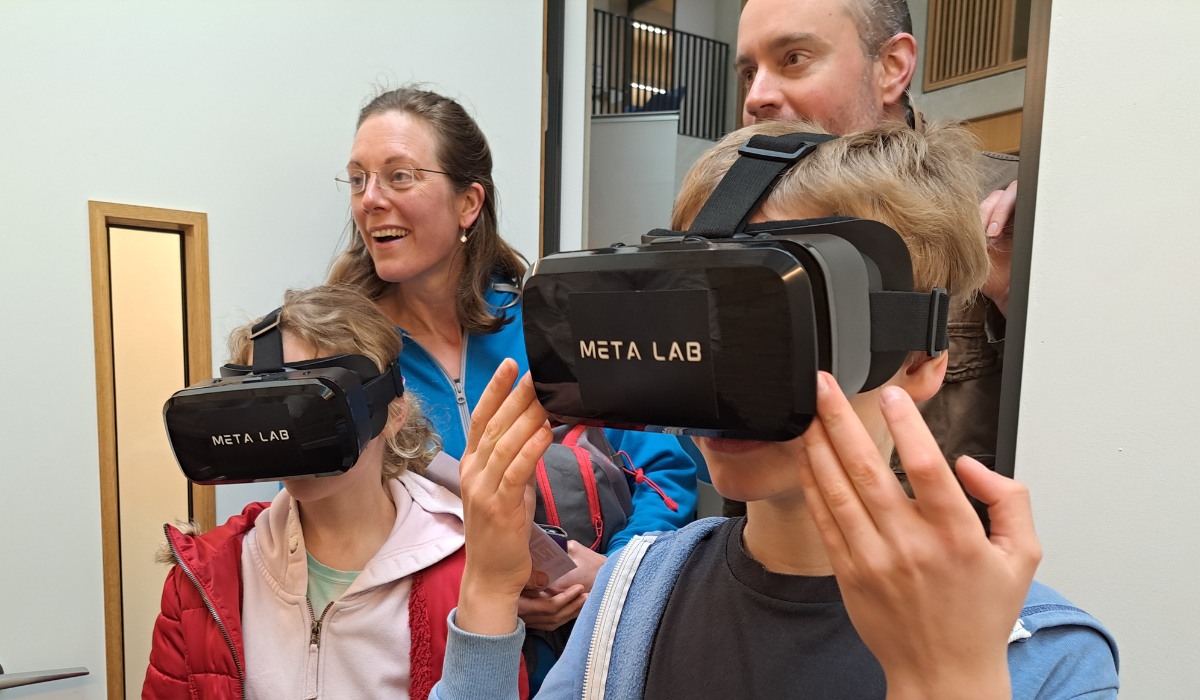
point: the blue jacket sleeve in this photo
(479, 666)
(1057, 663)
(661, 459)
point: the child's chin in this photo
(724, 446)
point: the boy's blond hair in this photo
(923, 182)
(340, 319)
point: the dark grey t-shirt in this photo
(731, 629)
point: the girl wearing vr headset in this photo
(426, 248)
(340, 587)
(835, 584)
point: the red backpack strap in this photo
(573, 435)
(584, 458)
(543, 481)
(434, 594)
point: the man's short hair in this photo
(878, 21)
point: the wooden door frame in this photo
(1023, 224)
(193, 226)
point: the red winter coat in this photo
(198, 649)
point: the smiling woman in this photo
(421, 168)
(426, 248)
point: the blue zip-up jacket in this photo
(448, 404)
(1056, 651)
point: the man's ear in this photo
(922, 375)
(895, 67)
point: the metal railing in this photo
(642, 67)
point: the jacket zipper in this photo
(593, 495)
(608, 617)
(456, 385)
(212, 610)
(314, 647)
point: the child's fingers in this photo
(838, 493)
(519, 472)
(493, 397)
(514, 406)
(526, 436)
(835, 544)
(1009, 510)
(878, 489)
(938, 495)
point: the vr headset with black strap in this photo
(276, 420)
(720, 330)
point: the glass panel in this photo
(146, 273)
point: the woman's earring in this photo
(463, 237)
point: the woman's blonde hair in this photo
(335, 319)
(923, 182)
(464, 156)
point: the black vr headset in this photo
(719, 331)
(274, 420)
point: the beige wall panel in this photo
(148, 363)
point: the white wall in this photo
(632, 179)
(696, 17)
(243, 110)
(977, 98)
(577, 116)
(1110, 394)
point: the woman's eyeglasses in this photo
(392, 177)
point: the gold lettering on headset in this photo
(689, 351)
(246, 438)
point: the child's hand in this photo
(933, 598)
(507, 437)
(549, 609)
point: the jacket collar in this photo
(428, 528)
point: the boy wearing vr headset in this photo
(339, 587)
(835, 584)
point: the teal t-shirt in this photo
(326, 585)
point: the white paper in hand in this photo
(547, 556)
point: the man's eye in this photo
(748, 76)
(793, 59)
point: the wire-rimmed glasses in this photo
(393, 177)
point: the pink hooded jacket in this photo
(235, 621)
(361, 646)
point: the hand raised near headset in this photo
(997, 212)
(507, 437)
(933, 596)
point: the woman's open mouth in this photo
(387, 235)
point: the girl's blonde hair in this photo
(923, 182)
(335, 319)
